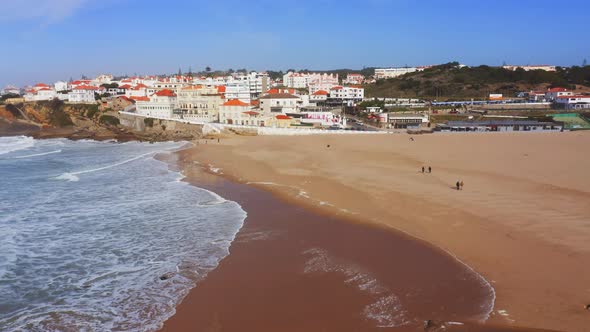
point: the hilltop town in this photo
(338, 100)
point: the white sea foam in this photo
(16, 143)
(37, 154)
(385, 311)
(91, 254)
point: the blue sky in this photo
(59, 39)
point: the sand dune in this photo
(522, 220)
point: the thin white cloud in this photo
(43, 11)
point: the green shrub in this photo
(109, 120)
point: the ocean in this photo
(89, 229)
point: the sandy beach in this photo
(521, 220)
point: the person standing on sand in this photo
(458, 185)
(422, 169)
(429, 169)
(461, 184)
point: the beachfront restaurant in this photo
(500, 126)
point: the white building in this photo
(140, 90)
(61, 86)
(238, 90)
(354, 79)
(9, 89)
(279, 103)
(200, 103)
(554, 93)
(574, 101)
(103, 79)
(160, 104)
(531, 67)
(40, 92)
(237, 112)
(347, 93)
(82, 94)
(383, 73)
(303, 80)
(318, 96)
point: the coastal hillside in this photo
(451, 81)
(50, 119)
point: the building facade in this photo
(160, 104)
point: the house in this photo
(140, 90)
(82, 94)
(354, 79)
(573, 102)
(237, 90)
(237, 112)
(280, 121)
(40, 92)
(200, 103)
(319, 96)
(279, 103)
(554, 93)
(160, 104)
(536, 96)
(501, 126)
(9, 89)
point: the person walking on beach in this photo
(422, 169)
(461, 184)
(458, 185)
(429, 169)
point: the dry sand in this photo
(522, 220)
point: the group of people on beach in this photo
(429, 169)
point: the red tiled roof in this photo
(251, 113)
(255, 102)
(45, 89)
(140, 86)
(126, 86)
(140, 98)
(221, 88)
(235, 102)
(283, 117)
(41, 85)
(557, 90)
(320, 93)
(336, 88)
(165, 93)
(126, 98)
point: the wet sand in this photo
(292, 268)
(522, 220)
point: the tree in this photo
(190, 71)
(208, 69)
(179, 72)
(584, 63)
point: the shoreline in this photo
(192, 305)
(509, 247)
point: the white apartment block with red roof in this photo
(40, 92)
(280, 103)
(319, 96)
(83, 94)
(140, 90)
(554, 93)
(159, 105)
(313, 88)
(237, 112)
